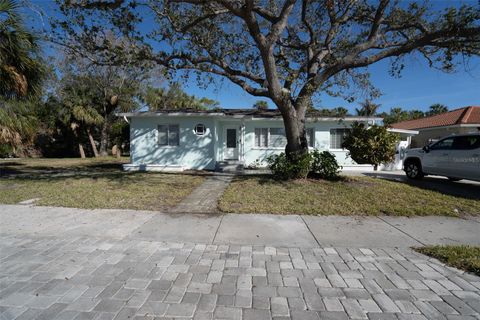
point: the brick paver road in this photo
(80, 277)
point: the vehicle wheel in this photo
(453, 179)
(413, 169)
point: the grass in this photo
(349, 196)
(91, 183)
(466, 258)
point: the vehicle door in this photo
(465, 157)
(436, 160)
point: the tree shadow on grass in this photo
(269, 179)
(462, 189)
(111, 171)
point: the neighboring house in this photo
(463, 120)
(190, 139)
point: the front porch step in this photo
(229, 166)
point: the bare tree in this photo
(284, 50)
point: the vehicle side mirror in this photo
(426, 149)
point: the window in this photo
(337, 136)
(261, 137)
(310, 137)
(466, 143)
(200, 129)
(277, 138)
(231, 138)
(445, 144)
(168, 135)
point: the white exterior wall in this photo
(202, 152)
(322, 140)
(193, 152)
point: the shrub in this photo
(6, 151)
(316, 165)
(324, 165)
(284, 168)
(370, 145)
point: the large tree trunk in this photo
(104, 139)
(92, 142)
(294, 121)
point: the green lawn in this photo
(91, 183)
(466, 258)
(349, 196)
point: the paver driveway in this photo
(107, 276)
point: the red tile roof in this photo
(466, 115)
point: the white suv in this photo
(456, 157)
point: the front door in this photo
(231, 143)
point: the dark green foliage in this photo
(335, 112)
(21, 68)
(120, 135)
(285, 168)
(314, 165)
(324, 165)
(398, 114)
(368, 108)
(370, 145)
(260, 105)
(18, 123)
(435, 109)
(174, 98)
(6, 151)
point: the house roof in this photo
(466, 115)
(237, 113)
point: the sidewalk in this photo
(249, 229)
(60, 263)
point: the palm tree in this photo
(437, 108)
(368, 108)
(17, 123)
(21, 72)
(21, 69)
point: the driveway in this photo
(59, 263)
(463, 188)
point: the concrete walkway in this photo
(204, 198)
(242, 229)
(58, 263)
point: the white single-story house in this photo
(202, 140)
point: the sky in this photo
(418, 87)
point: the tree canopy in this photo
(283, 50)
(21, 69)
(174, 97)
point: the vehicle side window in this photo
(445, 144)
(466, 143)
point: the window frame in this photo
(167, 136)
(433, 146)
(330, 142)
(255, 138)
(204, 129)
(473, 146)
(311, 144)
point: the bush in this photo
(6, 151)
(316, 165)
(370, 145)
(285, 169)
(324, 165)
